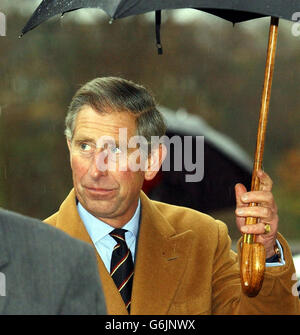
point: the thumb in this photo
(240, 189)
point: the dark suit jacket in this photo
(45, 271)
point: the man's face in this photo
(110, 195)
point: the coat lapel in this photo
(160, 264)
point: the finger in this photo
(265, 182)
(256, 229)
(261, 197)
(240, 189)
(264, 213)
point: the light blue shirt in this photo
(282, 261)
(99, 233)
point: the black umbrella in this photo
(253, 254)
(234, 11)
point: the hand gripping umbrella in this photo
(253, 253)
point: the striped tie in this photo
(121, 267)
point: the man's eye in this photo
(115, 150)
(85, 147)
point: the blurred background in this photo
(209, 68)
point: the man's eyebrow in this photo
(80, 139)
(108, 141)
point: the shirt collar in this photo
(97, 229)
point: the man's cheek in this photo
(78, 167)
(132, 180)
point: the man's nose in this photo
(98, 166)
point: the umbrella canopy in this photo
(225, 164)
(234, 11)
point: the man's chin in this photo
(106, 211)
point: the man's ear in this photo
(155, 160)
(69, 144)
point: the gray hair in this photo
(116, 94)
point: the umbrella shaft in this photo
(263, 118)
(265, 101)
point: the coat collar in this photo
(161, 259)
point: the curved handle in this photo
(253, 259)
(253, 267)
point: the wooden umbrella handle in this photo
(253, 254)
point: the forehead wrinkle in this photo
(103, 124)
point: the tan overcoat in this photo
(185, 265)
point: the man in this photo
(43, 271)
(182, 259)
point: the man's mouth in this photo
(100, 191)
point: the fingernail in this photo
(244, 197)
(244, 229)
(239, 211)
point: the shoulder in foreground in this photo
(18, 227)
